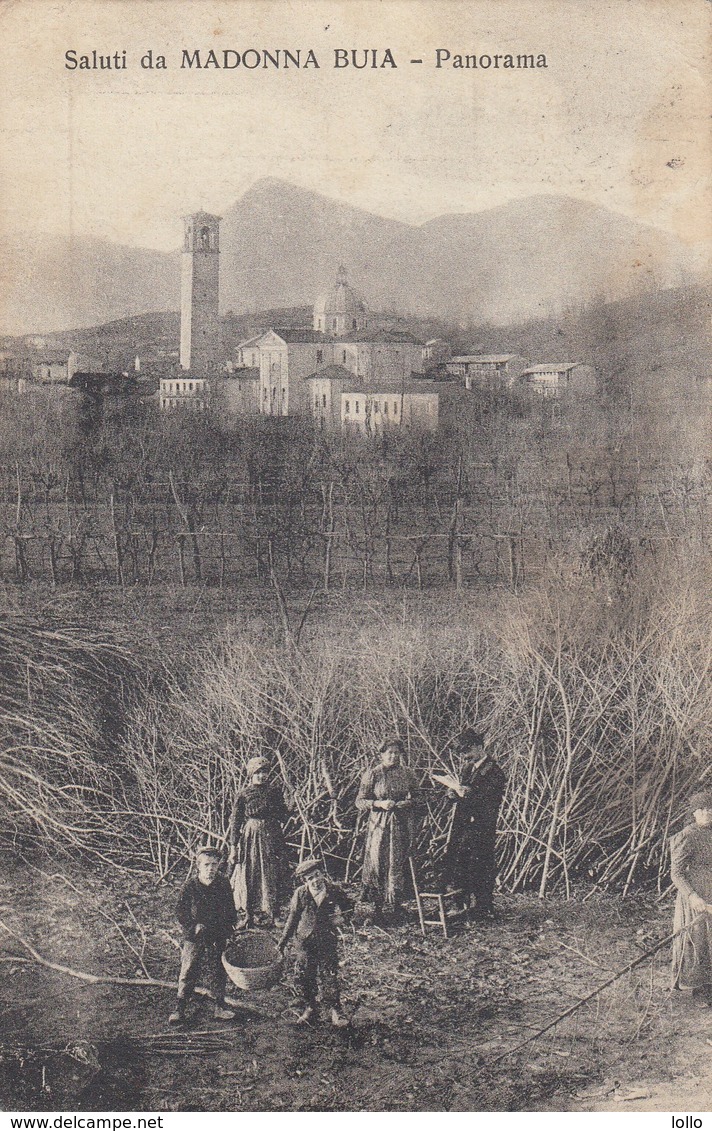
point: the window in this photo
(190, 386)
(347, 406)
(343, 356)
(323, 399)
(354, 324)
(385, 408)
(319, 356)
(357, 407)
(395, 408)
(316, 401)
(376, 406)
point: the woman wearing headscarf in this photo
(387, 793)
(691, 873)
(257, 846)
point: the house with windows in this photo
(551, 379)
(184, 391)
(325, 389)
(486, 370)
(371, 410)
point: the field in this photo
(430, 1017)
(98, 853)
(180, 595)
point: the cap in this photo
(206, 850)
(701, 799)
(256, 764)
(307, 867)
(469, 737)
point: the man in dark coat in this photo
(311, 920)
(206, 912)
(469, 861)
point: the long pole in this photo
(577, 1005)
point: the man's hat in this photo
(256, 764)
(389, 742)
(701, 799)
(470, 737)
(206, 850)
(307, 867)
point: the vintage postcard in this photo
(355, 629)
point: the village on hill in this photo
(346, 367)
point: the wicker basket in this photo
(252, 961)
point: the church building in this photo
(342, 340)
(339, 311)
(284, 372)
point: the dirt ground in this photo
(430, 1017)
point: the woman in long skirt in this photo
(257, 846)
(386, 794)
(691, 873)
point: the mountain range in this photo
(281, 245)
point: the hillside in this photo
(664, 332)
(281, 245)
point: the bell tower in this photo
(199, 321)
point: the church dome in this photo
(339, 310)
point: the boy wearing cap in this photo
(311, 920)
(206, 912)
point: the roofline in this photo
(201, 212)
(545, 367)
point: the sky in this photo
(620, 116)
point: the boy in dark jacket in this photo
(206, 912)
(312, 920)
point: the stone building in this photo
(487, 370)
(200, 287)
(371, 410)
(552, 378)
(287, 358)
(180, 391)
(57, 367)
(324, 395)
(247, 353)
(436, 352)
